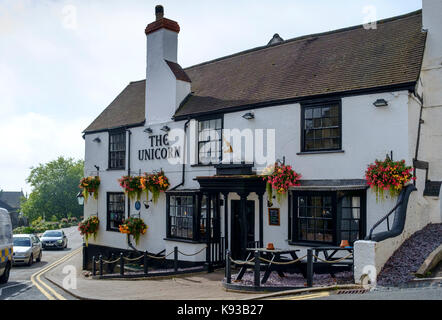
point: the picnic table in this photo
(273, 256)
(329, 258)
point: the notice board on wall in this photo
(274, 217)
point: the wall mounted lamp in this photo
(80, 198)
(380, 103)
(146, 204)
(97, 140)
(165, 129)
(148, 130)
(249, 116)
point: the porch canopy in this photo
(243, 185)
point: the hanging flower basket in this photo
(280, 178)
(89, 227)
(388, 175)
(133, 226)
(131, 186)
(154, 183)
(89, 186)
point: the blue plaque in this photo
(137, 205)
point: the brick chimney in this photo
(166, 82)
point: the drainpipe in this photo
(416, 154)
(184, 160)
(128, 173)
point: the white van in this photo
(6, 245)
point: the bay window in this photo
(327, 217)
(187, 216)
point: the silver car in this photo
(27, 247)
(54, 239)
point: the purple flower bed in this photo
(296, 280)
(409, 257)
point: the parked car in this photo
(6, 247)
(54, 239)
(27, 247)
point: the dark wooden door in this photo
(237, 228)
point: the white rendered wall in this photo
(164, 92)
(432, 88)
(368, 133)
(376, 254)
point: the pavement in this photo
(203, 286)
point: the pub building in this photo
(327, 104)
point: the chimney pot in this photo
(159, 12)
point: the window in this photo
(209, 141)
(117, 150)
(315, 217)
(187, 216)
(321, 127)
(181, 214)
(214, 226)
(327, 217)
(350, 218)
(115, 210)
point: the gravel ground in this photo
(409, 257)
(297, 280)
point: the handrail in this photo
(383, 219)
(399, 219)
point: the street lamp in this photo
(80, 198)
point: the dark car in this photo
(54, 239)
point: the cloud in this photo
(32, 138)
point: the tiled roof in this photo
(126, 109)
(11, 198)
(346, 60)
(179, 73)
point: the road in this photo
(428, 292)
(20, 286)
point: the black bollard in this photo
(175, 259)
(228, 267)
(121, 264)
(145, 262)
(309, 268)
(101, 265)
(94, 271)
(257, 269)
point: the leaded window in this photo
(315, 218)
(350, 218)
(117, 150)
(210, 141)
(321, 127)
(181, 215)
(203, 221)
(115, 210)
(327, 217)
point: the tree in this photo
(54, 189)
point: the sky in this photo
(63, 62)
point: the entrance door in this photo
(237, 237)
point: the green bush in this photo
(23, 230)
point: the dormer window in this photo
(117, 150)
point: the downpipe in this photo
(129, 243)
(184, 160)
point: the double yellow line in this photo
(36, 277)
(306, 296)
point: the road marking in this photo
(305, 296)
(36, 277)
(12, 286)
